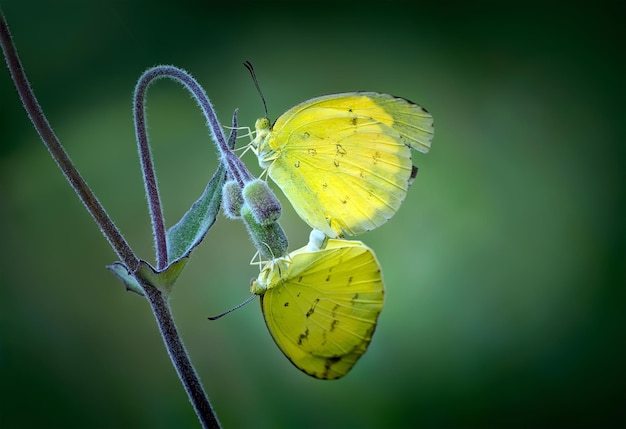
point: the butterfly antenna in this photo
(248, 65)
(233, 309)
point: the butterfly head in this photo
(262, 143)
(273, 274)
(262, 127)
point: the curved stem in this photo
(236, 169)
(149, 176)
(37, 117)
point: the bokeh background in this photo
(504, 269)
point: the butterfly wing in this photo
(323, 314)
(344, 160)
(412, 121)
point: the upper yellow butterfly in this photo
(344, 160)
(321, 304)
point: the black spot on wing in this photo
(329, 363)
(413, 175)
(312, 309)
(333, 315)
(376, 158)
(302, 337)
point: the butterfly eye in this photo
(256, 287)
(262, 124)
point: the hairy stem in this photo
(233, 164)
(37, 117)
(149, 176)
(180, 359)
(158, 302)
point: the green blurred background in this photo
(504, 269)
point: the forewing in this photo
(412, 121)
(340, 163)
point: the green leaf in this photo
(126, 277)
(162, 280)
(194, 225)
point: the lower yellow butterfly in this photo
(321, 304)
(344, 160)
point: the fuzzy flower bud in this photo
(270, 239)
(262, 202)
(232, 200)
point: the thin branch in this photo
(236, 169)
(149, 175)
(157, 300)
(36, 115)
(179, 357)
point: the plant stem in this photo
(158, 302)
(37, 117)
(235, 167)
(180, 359)
(149, 175)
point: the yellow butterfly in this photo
(321, 305)
(344, 160)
